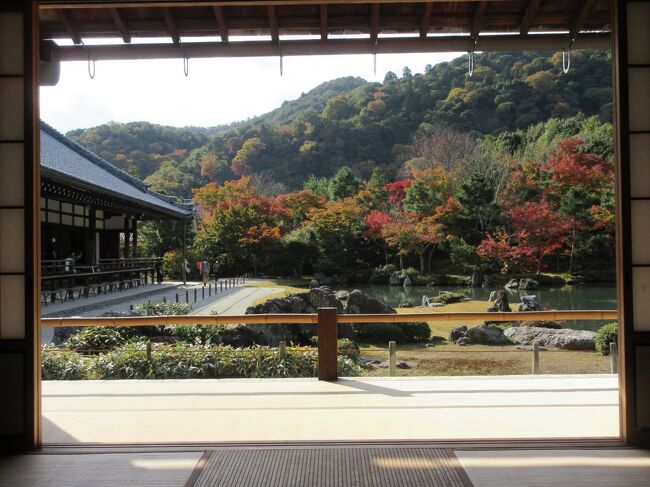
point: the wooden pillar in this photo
(90, 244)
(632, 128)
(327, 346)
(134, 224)
(127, 237)
(19, 228)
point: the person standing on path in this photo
(205, 271)
(216, 267)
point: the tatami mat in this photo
(359, 467)
(99, 470)
(552, 468)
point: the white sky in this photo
(216, 91)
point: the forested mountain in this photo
(140, 147)
(350, 122)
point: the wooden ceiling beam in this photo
(580, 17)
(273, 24)
(374, 22)
(120, 23)
(76, 4)
(69, 25)
(529, 16)
(324, 30)
(221, 23)
(389, 45)
(172, 25)
(477, 18)
(425, 24)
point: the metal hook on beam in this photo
(374, 56)
(470, 58)
(186, 61)
(566, 57)
(91, 72)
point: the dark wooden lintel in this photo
(273, 24)
(323, 22)
(221, 23)
(477, 18)
(425, 24)
(69, 25)
(374, 21)
(529, 16)
(120, 23)
(580, 17)
(172, 25)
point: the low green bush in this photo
(57, 364)
(198, 334)
(382, 273)
(95, 339)
(380, 333)
(448, 297)
(160, 309)
(181, 361)
(605, 335)
(410, 272)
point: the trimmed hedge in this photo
(605, 335)
(181, 361)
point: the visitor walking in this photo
(205, 271)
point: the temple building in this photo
(90, 208)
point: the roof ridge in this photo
(112, 169)
(94, 158)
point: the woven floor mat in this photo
(340, 467)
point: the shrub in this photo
(183, 362)
(57, 364)
(381, 333)
(171, 264)
(416, 331)
(448, 297)
(95, 339)
(198, 334)
(410, 272)
(606, 334)
(382, 273)
(160, 309)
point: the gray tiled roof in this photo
(63, 158)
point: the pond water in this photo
(567, 297)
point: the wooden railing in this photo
(327, 320)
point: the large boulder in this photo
(361, 303)
(407, 282)
(309, 302)
(313, 284)
(486, 335)
(565, 339)
(431, 302)
(500, 303)
(457, 332)
(529, 303)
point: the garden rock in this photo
(395, 279)
(529, 303)
(528, 283)
(486, 335)
(512, 284)
(500, 303)
(463, 341)
(342, 295)
(493, 296)
(565, 339)
(430, 303)
(457, 332)
(360, 303)
(476, 279)
(313, 284)
(407, 282)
